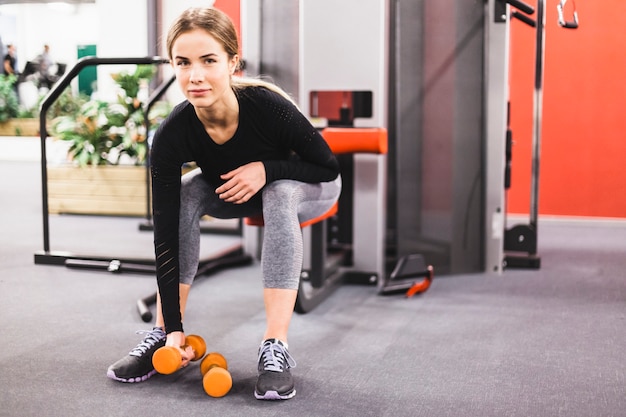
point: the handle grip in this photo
(572, 24)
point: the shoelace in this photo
(154, 336)
(275, 357)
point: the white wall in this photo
(118, 28)
(61, 28)
(122, 32)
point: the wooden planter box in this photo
(101, 190)
(20, 127)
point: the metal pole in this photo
(538, 110)
(49, 100)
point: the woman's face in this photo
(203, 68)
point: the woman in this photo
(256, 154)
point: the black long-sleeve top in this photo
(271, 130)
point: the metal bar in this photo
(538, 109)
(47, 102)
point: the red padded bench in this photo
(258, 220)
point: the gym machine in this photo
(340, 78)
(435, 97)
(445, 101)
(520, 241)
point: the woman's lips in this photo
(198, 92)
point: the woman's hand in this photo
(177, 340)
(242, 183)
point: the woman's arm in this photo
(165, 165)
(313, 160)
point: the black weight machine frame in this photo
(520, 241)
(230, 257)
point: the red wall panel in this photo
(233, 9)
(583, 152)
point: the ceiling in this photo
(2, 2)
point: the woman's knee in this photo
(281, 196)
(281, 190)
(195, 195)
(192, 184)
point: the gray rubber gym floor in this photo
(548, 342)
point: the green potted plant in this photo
(15, 118)
(103, 133)
(9, 105)
(107, 152)
(10, 111)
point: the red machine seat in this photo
(258, 220)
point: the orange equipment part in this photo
(356, 140)
(421, 286)
(258, 220)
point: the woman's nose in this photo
(195, 74)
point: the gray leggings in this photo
(284, 205)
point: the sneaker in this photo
(137, 365)
(275, 381)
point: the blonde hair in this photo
(218, 25)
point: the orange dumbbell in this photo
(216, 380)
(168, 359)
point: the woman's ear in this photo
(234, 64)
